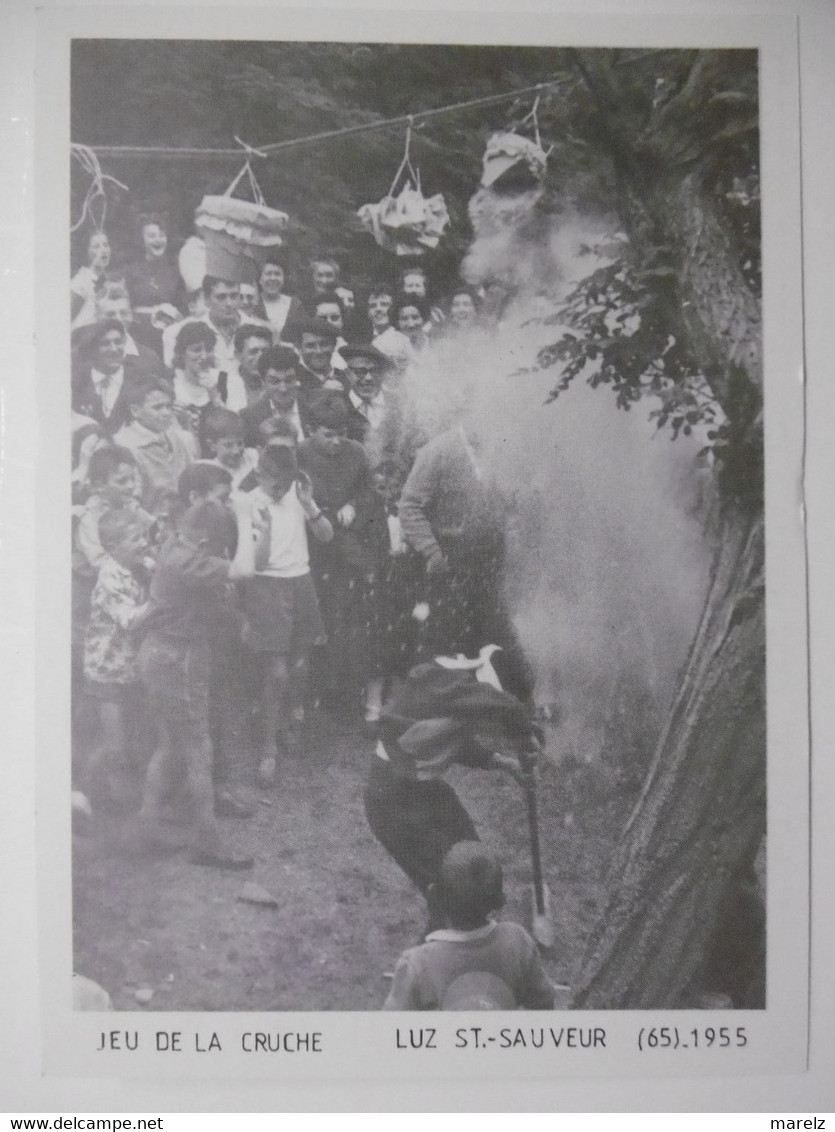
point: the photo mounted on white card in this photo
(431, 636)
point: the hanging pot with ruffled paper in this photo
(239, 234)
(513, 162)
(407, 224)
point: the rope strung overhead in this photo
(315, 139)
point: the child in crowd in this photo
(165, 507)
(114, 483)
(280, 604)
(118, 605)
(228, 694)
(343, 569)
(223, 437)
(188, 600)
(161, 449)
(278, 431)
(473, 963)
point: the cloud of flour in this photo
(607, 564)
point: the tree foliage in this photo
(668, 119)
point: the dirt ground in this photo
(345, 911)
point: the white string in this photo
(406, 163)
(251, 152)
(531, 117)
(96, 191)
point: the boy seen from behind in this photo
(189, 605)
(474, 963)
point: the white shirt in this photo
(108, 387)
(187, 393)
(236, 394)
(337, 361)
(284, 521)
(276, 311)
(373, 410)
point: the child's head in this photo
(278, 430)
(327, 421)
(277, 470)
(223, 434)
(470, 885)
(151, 404)
(277, 369)
(385, 479)
(112, 473)
(123, 537)
(210, 523)
(204, 482)
(167, 508)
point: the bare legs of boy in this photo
(273, 694)
(281, 711)
(106, 780)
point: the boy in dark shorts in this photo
(189, 596)
(474, 963)
(279, 602)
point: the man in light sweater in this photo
(453, 516)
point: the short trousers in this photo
(282, 615)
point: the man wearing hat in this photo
(367, 368)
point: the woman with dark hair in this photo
(195, 375)
(464, 303)
(410, 315)
(276, 306)
(154, 279)
(387, 336)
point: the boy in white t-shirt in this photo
(282, 613)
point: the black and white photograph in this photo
(418, 543)
(431, 628)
